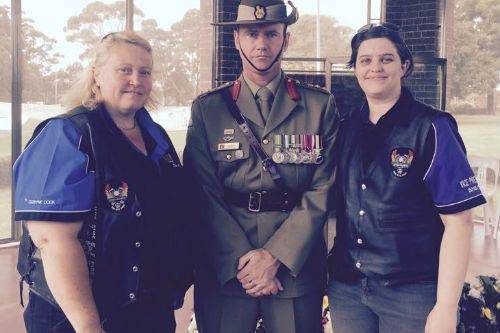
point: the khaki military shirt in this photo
(294, 238)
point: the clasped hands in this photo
(257, 273)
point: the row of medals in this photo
(297, 149)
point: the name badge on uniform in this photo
(228, 146)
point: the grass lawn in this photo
(481, 134)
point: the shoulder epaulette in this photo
(312, 87)
(222, 86)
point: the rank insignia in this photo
(116, 196)
(260, 12)
(401, 159)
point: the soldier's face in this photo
(261, 44)
(379, 69)
(125, 79)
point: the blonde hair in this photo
(86, 91)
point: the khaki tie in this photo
(265, 97)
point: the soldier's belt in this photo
(263, 201)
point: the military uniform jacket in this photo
(294, 238)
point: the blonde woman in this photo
(99, 192)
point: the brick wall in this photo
(227, 59)
(420, 25)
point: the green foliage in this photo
(5, 53)
(176, 57)
(480, 306)
(38, 57)
(476, 40)
(334, 42)
(176, 52)
(96, 20)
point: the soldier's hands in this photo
(257, 264)
(257, 271)
(270, 287)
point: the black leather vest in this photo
(387, 225)
(116, 283)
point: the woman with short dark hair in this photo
(404, 195)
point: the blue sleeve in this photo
(52, 180)
(449, 178)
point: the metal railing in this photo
(331, 67)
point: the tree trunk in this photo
(490, 102)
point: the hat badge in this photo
(260, 12)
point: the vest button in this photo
(359, 241)
(361, 213)
(363, 187)
(138, 213)
(137, 244)
(265, 141)
(358, 265)
(131, 296)
(135, 269)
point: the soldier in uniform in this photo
(264, 219)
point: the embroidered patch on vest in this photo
(401, 159)
(117, 196)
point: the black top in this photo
(394, 179)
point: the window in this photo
(57, 49)
(181, 36)
(5, 119)
(473, 84)
(338, 19)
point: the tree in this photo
(476, 57)
(334, 42)
(5, 54)
(37, 59)
(95, 20)
(175, 51)
(37, 62)
(177, 57)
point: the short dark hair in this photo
(384, 30)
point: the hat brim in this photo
(289, 20)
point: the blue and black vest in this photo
(387, 225)
(116, 285)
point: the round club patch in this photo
(401, 160)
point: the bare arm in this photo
(66, 271)
(453, 260)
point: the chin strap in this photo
(271, 65)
